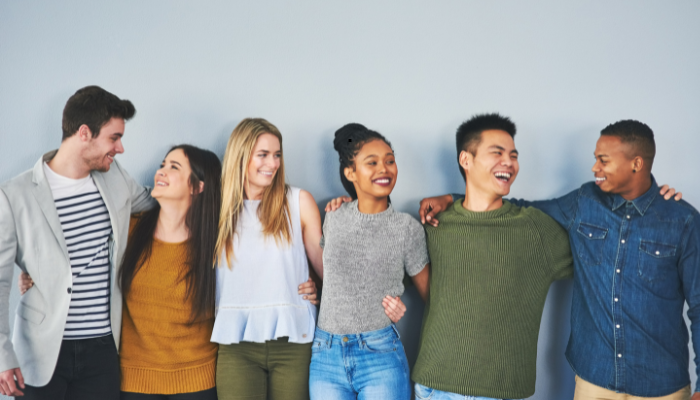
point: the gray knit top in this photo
(364, 259)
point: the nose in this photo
(596, 167)
(119, 148)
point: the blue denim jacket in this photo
(635, 264)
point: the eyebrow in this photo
(503, 149)
(175, 162)
(391, 153)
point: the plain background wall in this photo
(411, 70)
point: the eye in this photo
(372, 163)
(391, 161)
(497, 152)
(278, 155)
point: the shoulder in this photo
(305, 198)
(19, 182)
(675, 210)
(541, 221)
(407, 220)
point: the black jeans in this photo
(209, 394)
(87, 369)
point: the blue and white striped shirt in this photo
(87, 230)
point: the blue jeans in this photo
(364, 366)
(426, 393)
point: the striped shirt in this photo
(87, 229)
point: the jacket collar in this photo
(642, 202)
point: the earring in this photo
(634, 171)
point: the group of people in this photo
(207, 284)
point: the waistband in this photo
(357, 337)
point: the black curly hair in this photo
(348, 141)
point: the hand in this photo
(337, 202)
(24, 282)
(393, 308)
(668, 192)
(431, 206)
(696, 395)
(308, 289)
(8, 387)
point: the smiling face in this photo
(613, 166)
(264, 163)
(172, 180)
(494, 167)
(99, 152)
(374, 173)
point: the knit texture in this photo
(490, 274)
(364, 259)
(160, 352)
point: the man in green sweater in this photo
(492, 265)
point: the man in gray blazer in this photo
(65, 222)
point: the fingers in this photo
(310, 292)
(424, 209)
(20, 378)
(679, 196)
(669, 193)
(663, 190)
(393, 308)
(337, 202)
(8, 386)
(24, 282)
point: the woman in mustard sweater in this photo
(168, 283)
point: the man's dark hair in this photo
(94, 107)
(469, 133)
(637, 134)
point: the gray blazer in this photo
(31, 236)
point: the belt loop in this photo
(398, 335)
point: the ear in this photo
(84, 133)
(201, 187)
(350, 174)
(465, 160)
(637, 164)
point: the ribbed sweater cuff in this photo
(156, 381)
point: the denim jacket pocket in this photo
(591, 239)
(657, 261)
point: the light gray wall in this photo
(411, 70)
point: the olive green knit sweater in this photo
(490, 273)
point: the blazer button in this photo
(70, 290)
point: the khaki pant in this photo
(588, 391)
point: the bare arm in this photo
(422, 282)
(311, 231)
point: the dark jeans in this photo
(209, 394)
(86, 369)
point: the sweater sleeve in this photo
(555, 240)
(415, 248)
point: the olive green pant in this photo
(274, 370)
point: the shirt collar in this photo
(642, 202)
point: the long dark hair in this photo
(202, 221)
(348, 141)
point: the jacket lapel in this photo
(43, 196)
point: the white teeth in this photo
(161, 184)
(599, 179)
(266, 173)
(505, 175)
(382, 181)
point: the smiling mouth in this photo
(161, 184)
(265, 173)
(503, 176)
(600, 179)
(382, 181)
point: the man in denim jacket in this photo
(636, 262)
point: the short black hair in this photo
(638, 134)
(348, 141)
(469, 133)
(94, 107)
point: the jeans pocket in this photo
(383, 344)
(318, 346)
(423, 392)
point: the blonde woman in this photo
(269, 233)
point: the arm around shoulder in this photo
(141, 199)
(311, 230)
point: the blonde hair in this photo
(273, 210)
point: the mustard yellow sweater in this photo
(160, 352)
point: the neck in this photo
(68, 162)
(371, 204)
(638, 187)
(254, 192)
(477, 201)
(171, 225)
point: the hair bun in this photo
(343, 136)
